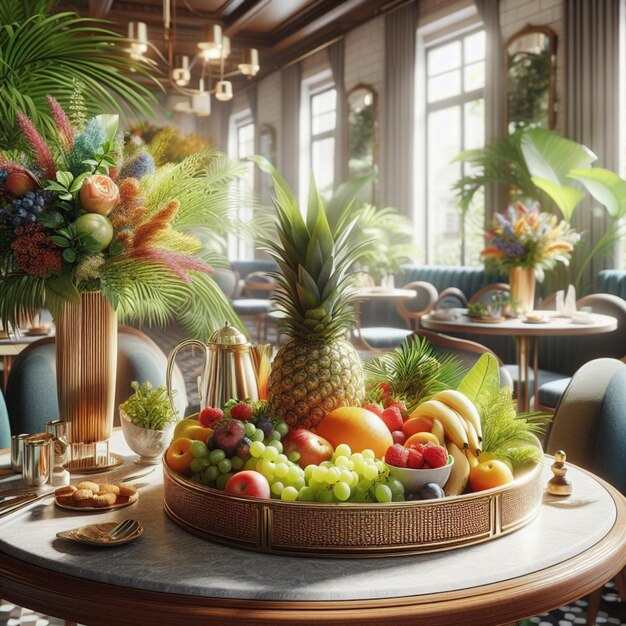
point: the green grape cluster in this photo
(351, 477)
(213, 468)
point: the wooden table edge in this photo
(91, 602)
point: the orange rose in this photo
(99, 194)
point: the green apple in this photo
(97, 227)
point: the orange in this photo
(421, 438)
(357, 427)
(419, 424)
(490, 474)
(178, 455)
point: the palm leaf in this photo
(43, 54)
(606, 187)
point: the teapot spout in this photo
(261, 359)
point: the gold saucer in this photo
(88, 466)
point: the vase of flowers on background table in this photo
(92, 235)
(525, 242)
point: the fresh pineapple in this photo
(318, 369)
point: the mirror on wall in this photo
(267, 148)
(530, 85)
(362, 120)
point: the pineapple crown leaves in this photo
(314, 258)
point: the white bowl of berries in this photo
(421, 468)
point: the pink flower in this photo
(40, 148)
(99, 194)
(64, 128)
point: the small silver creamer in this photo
(233, 368)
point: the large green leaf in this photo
(482, 380)
(606, 187)
(549, 159)
(566, 198)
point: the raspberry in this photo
(373, 407)
(420, 447)
(435, 456)
(398, 437)
(209, 416)
(392, 418)
(415, 460)
(396, 455)
(241, 411)
(426, 466)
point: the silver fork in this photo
(124, 529)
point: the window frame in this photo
(238, 247)
(427, 108)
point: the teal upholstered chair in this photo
(31, 394)
(5, 428)
(590, 426)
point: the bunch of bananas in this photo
(456, 423)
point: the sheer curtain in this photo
(591, 99)
(495, 93)
(397, 162)
(290, 140)
(336, 60)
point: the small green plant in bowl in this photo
(148, 422)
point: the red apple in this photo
(18, 183)
(312, 448)
(248, 483)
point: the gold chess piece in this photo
(559, 484)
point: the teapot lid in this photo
(228, 335)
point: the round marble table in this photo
(171, 577)
(526, 335)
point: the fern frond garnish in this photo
(413, 372)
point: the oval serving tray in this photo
(95, 534)
(351, 530)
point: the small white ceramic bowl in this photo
(415, 479)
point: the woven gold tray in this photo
(351, 530)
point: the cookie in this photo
(87, 484)
(104, 500)
(108, 488)
(127, 490)
(82, 494)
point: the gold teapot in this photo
(233, 368)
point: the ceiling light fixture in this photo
(213, 51)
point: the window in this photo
(453, 115)
(241, 146)
(317, 144)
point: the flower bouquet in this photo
(91, 235)
(526, 241)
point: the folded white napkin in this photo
(570, 301)
(560, 303)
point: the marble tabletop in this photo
(168, 559)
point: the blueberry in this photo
(431, 491)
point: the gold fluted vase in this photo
(86, 361)
(522, 282)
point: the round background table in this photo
(171, 577)
(526, 335)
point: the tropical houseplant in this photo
(43, 53)
(539, 165)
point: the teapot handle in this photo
(170, 365)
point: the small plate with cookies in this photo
(92, 496)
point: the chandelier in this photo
(213, 51)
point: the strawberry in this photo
(435, 456)
(396, 455)
(398, 437)
(241, 411)
(210, 416)
(392, 418)
(400, 406)
(384, 387)
(373, 407)
(415, 460)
